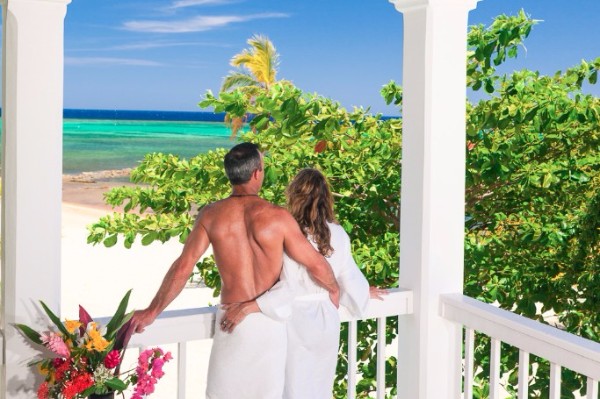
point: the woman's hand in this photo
(235, 313)
(377, 293)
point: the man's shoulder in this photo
(269, 210)
(208, 208)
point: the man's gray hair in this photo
(241, 161)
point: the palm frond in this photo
(261, 60)
(238, 79)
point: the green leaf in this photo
(149, 238)
(117, 320)
(110, 241)
(116, 384)
(33, 335)
(489, 86)
(55, 320)
(593, 77)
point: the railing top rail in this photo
(199, 323)
(569, 350)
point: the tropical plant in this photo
(256, 73)
(257, 67)
(533, 178)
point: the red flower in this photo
(77, 384)
(42, 392)
(62, 369)
(112, 360)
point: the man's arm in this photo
(299, 249)
(175, 279)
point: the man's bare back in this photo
(247, 235)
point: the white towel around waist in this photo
(313, 297)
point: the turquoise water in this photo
(92, 145)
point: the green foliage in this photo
(532, 189)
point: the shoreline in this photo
(87, 189)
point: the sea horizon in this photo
(131, 114)
(113, 139)
(98, 140)
(107, 140)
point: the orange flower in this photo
(72, 325)
(42, 370)
(96, 341)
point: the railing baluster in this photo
(554, 381)
(523, 374)
(181, 369)
(352, 327)
(469, 356)
(381, 358)
(592, 388)
(495, 369)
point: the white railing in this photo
(182, 326)
(560, 348)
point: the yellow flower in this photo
(96, 341)
(42, 370)
(72, 325)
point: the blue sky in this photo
(164, 55)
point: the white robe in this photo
(313, 328)
(248, 363)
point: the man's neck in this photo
(244, 191)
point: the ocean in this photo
(95, 140)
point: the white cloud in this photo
(147, 46)
(195, 24)
(78, 61)
(192, 3)
(160, 44)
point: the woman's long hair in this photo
(311, 203)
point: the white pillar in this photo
(32, 102)
(433, 172)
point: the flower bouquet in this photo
(86, 356)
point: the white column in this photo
(433, 171)
(32, 102)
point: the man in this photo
(249, 236)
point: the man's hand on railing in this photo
(141, 319)
(377, 293)
(235, 313)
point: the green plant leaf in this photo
(117, 320)
(33, 335)
(55, 320)
(116, 384)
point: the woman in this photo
(313, 323)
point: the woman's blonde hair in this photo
(311, 203)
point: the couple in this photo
(250, 239)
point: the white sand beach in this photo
(97, 277)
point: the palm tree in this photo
(257, 67)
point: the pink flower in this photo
(112, 360)
(151, 361)
(55, 343)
